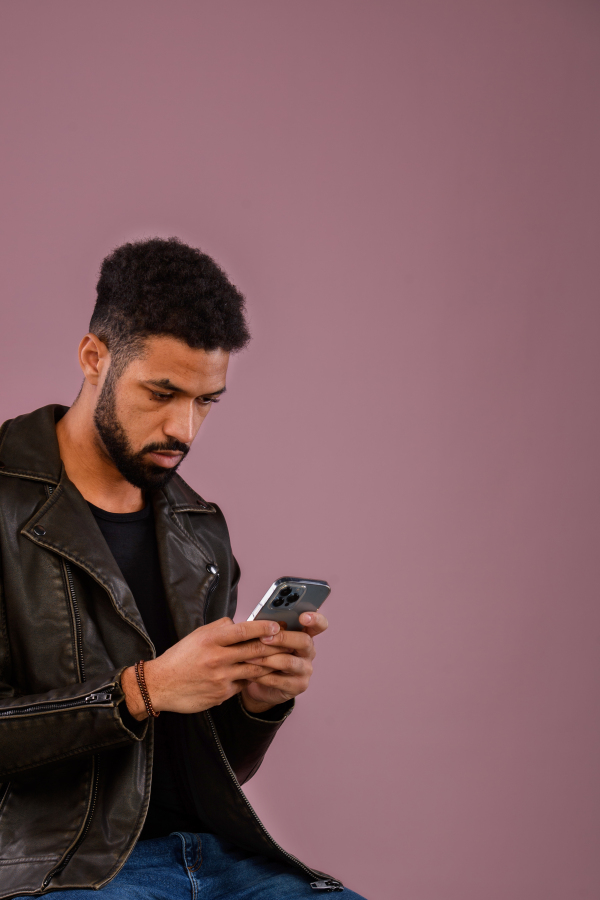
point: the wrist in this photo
(133, 696)
(254, 706)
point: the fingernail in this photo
(307, 617)
(268, 639)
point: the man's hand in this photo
(205, 668)
(287, 673)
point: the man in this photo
(128, 698)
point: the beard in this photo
(113, 437)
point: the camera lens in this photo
(278, 601)
(285, 591)
(293, 598)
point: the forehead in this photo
(167, 359)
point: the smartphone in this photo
(288, 598)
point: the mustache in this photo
(174, 446)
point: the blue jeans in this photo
(186, 866)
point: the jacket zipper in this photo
(94, 797)
(76, 620)
(332, 885)
(99, 697)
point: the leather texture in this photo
(74, 778)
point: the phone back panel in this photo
(288, 598)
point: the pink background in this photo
(408, 193)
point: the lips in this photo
(166, 460)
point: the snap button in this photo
(212, 569)
(39, 530)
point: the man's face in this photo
(147, 418)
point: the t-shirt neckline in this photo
(121, 517)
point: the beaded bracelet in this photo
(139, 674)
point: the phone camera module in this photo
(287, 596)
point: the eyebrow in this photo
(169, 386)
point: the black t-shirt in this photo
(131, 537)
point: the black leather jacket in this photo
(74, 778)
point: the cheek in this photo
(144, 427)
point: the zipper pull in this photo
(100, 697)
(329, 886)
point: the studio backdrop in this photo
(407, 193)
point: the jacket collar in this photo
(29, 446)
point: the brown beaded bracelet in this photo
(139, 674)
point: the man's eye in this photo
(158, 396)
(206, 401)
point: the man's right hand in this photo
(202, 670)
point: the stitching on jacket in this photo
(80, 750)
(256, 718)
(27, 859)
(30, 476)
(189, 535)
(179, 484)
(51, 545)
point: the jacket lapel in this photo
(184, 564)
(65, 525)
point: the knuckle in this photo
(241, 631)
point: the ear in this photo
(93, 358)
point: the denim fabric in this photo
(185, 866)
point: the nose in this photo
(181, 425)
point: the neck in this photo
(88, 465)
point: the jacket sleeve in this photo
(41, 730)
(38, 731)
(245, 737)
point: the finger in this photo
(290, 684)
(314, 623)
(230, 633)
(248, 672)
(298, 642)
(247, 650)
(289, 664)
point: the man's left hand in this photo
(288, 673)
